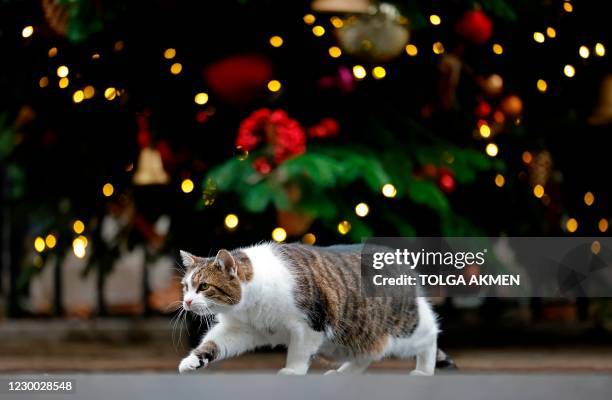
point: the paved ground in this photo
(97, 357)
(379, 387)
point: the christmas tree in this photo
(322, 122)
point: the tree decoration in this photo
(377, 36)
(475, 26)
(283, 136)
(341, 6)
(239, 79)
(603, 111)
(493, 85)
(325, 128)
(512, 106)
(446, 180)
(540, 168)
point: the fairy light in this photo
(379, 72)
(62, 71)
(201, 98)
(484, 130)
(568, 7)
(39, 244)
(584, 52)
(43, 82)
(89, 92)
(83, 240)
(63, 83)
(95, 56)
(52, 52)
(108, 189)
(119, 45)
(527, 157)
(500, 181)
(551, 32)
(411, 50)
(110, 93)
(603, 225)
(492, 150)
(438, 48)
(569, 71)
(595, 247)
(78, 96)
(78, 247)
(50, 240)
(589, 198)
(542, 85)
(187, 185)
(362, 209)
(600, 50)
(359, 71)
(309, 19)
(309, 238)
(334, 51)
(538, 191)
(27, 31)
(78, 226)
(169, 53)
(344, 227)
(279, 234)
(435, 19)
(388, 190)
(539, 37)
(276, 41)
(318, 30)
(336, 22)
(231, 221)
(274, 86)
(498, 49)
(571, 225)
(176, 68)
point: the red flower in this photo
(285, 135)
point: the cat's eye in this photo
(202, 287)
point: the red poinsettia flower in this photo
(283, 134)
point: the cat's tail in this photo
(444, 361)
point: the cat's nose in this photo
(188, 302)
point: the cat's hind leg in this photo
(426, 361)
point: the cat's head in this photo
(214, 284)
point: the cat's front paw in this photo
(417, 372)
(191, 363)
(290, 371)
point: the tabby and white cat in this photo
(307, 299)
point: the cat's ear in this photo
(225, 262)
(188, 259)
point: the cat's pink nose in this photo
(188, 302)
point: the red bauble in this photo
(446, 180)
(239, 79)
(475, 26)
(483, 109)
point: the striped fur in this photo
(305, 298)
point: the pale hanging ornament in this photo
(540, 168)
(380, 35)
(341, 6)
(603, 112)
(150, 170)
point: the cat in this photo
(308, 299)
